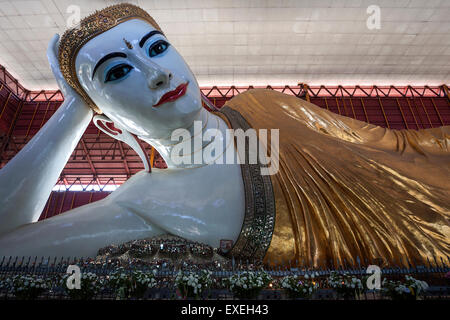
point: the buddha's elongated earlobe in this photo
(110, 128)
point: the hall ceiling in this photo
(259, 42)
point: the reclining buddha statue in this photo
(343, 189)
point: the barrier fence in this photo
(52, 269)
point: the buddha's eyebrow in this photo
(108, 56)
(147, 36)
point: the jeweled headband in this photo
(90, 27)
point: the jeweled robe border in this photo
(259, 220)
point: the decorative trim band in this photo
(259, 220)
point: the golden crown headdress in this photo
(88, 28)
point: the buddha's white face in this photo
(148, 90)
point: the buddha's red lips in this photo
(173, 95)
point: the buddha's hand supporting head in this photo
(52, 56)
(130, 72)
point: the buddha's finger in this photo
(52, 56)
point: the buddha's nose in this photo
(158, 78)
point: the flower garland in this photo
(410, 289)
(299, 287)
(132, 284)
(26, 287)
(347, 286)
(193, 284)
(248, 284)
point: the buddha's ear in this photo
(113, 130)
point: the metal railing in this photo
(52, 269)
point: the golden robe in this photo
(348, 189)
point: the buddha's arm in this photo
(27, 180)
(79, 232)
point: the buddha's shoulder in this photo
(263, 98)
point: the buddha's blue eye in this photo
(118, 72)
(157, 48)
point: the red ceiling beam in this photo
(91, 164)
(125, 163)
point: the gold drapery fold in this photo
(348, 189)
